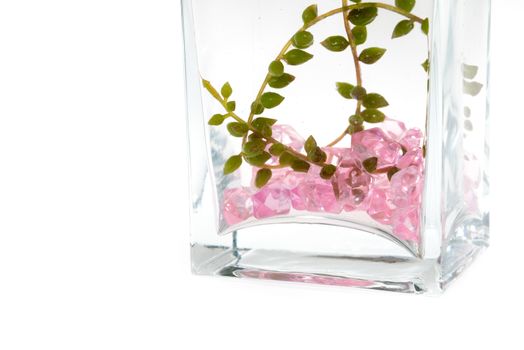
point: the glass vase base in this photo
(402, 274)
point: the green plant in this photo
(258, 145)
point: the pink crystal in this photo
(237, 205)
(338, 156)
(380, 207)
(406, 224)
(406, 187)
(315, 194)
(288, 136)
(320, 196)
(412, 139)
(375, 143)
(353, 186)
(411, 158)
(393, 128)
(271, 200)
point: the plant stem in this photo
(344, 9)
(358, 70)
(352, 44)
(213, 91)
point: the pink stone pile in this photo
(394, 202)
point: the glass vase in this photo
(343, 143)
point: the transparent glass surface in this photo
(357, 158)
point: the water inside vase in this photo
(374, 140)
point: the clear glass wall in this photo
(317, 153)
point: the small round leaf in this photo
(370, 164)
(271, 99)
(406, 5)
(226, 91)
(281, 82)
(237, 129)
(371, 55)
(364, 16)
(374, 101)
(302, 39)
(310, 13)
(300, 166)
(358, 93)
(425, 26)
(217, 119)
(232, 164)
(345, 89)
(335, 43)
(328, 171)
(372, 115)
(257, 108)
(276, 69)
(360, 34)
(402, 28)
(296, 57)
(262, 178)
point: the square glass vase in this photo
(340, 143)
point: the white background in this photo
(93, 204)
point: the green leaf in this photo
(309, 14)
(356, 120)
(286, 158)
(469, 71)
(310, 145)
(271, 99)
(425, 26)
(207, 85)
(262, 121)
(374, 101)
(254, 136)
(392, 171)
(263, 126)
(254, 148)
(370, 164)
(372, 115)
(231, 106)
(232, 164)
(345, 89)
(472, 88)
(425, 65)
(364, 16)
(302, 39)
(300, 166)
(217, 119)
(262, 178)
(328, 171)
(237, 129)
(281, 82)
(276, 69)
(257, 108)
(358, 93)
(258, 160)
(226, 91)
(352, 129)
(402, 28)
(296, 57)
(277, 149)
(360, 34)
(371, 55)
(406, 5)
(317, 155)
(335, 43)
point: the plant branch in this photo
(213, 91)
(344, 9)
